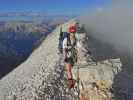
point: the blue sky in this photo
(52, 6)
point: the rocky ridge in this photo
(42, 75)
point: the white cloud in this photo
(113, 25)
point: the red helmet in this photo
(72, 29)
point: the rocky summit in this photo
(43, 77)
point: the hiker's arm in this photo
(65, 48)
(65, 53)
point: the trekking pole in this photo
(78, 89)
(78, 78)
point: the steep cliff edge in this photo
(42, 75)
(42, 57)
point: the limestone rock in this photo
(42, 75)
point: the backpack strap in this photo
(69, 42)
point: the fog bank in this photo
(113, 25)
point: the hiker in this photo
(69, 52)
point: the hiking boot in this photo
(71, 83)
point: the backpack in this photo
(62, 36)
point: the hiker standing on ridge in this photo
(70, 53)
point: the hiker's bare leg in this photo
(69, 70)
(71, 81)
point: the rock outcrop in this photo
(42, 75)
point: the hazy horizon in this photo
(56, 7)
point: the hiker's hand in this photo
(65, 59)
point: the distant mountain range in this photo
(30, 16)
(29, 13)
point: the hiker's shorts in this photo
(69, 60)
